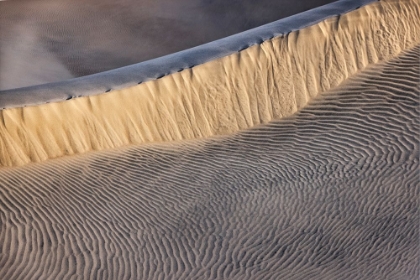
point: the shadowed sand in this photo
(266, 81)
(72, 38)
(295, 158)
(24, 61)
(328, 193)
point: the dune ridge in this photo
(132, 75)
(328, 193)
(268, 81)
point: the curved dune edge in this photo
(154, 69)
(328, 193)
(268, 81)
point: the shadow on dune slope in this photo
(329, 193)
(92, 36)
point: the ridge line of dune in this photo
(329, 193)
(157, 68)
(260, 83)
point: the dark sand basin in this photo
(43, 41)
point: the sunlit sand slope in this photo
(263, 82)
(329, 193)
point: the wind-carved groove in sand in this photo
(328, 193)
(264, 82)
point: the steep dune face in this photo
(267, 81)
(328, 193)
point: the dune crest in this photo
(264, 82)
(329, 193)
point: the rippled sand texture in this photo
(328, 193)
(263, 82)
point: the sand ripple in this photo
(329, 193)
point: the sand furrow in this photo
(330, 192)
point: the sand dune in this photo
(328, 193)
(91, 36)
(287, 152)
(267, 81)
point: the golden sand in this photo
(263, 82)
(328, 193)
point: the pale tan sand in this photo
(264, 82)
(329, 193)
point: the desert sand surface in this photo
(265, 81)
(73, 38)
(24, 61)
(293, 158)
(328, 193)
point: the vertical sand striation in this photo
(263, 82)
(328, 193)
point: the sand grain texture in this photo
(328, 193)
(263, 82)
(296, 158)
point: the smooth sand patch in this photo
(91, 36)
(25, 61)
